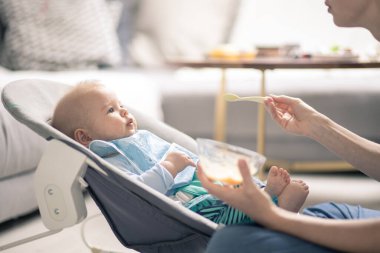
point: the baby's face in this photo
(108, 119)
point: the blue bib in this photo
(140, 152)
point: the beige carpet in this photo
(96, 233)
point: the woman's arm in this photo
(358, 151)
(343, 235)
(297, 117)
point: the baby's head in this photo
(89, 111)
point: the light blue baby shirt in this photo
(139, 155)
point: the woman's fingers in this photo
(272, 110)
(285, 99)
(224, 193)
(244, 171)
(206, 182)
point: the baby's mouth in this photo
(130, 122)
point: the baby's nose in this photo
(123, 112)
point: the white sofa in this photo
(20, 151)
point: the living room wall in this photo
(297, 21)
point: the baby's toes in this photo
(273, 170)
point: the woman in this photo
(347, 228)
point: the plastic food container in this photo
(219, 160)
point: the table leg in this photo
(220, 110)
(261, 122)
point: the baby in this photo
(93, 116)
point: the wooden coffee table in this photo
(263, 65)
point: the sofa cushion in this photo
(56, 35)
(187, 28)
(20, 147)
(126, 28)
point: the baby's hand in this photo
(175, 162)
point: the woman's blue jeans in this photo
(254, 238)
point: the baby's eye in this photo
(111, 110)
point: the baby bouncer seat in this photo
(140, 217)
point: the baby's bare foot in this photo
(293, 196)
(278, 179)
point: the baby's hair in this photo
(70, 112)
(87, 84)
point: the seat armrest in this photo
(58, 188)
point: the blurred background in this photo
(127, 44)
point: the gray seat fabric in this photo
(140, 217)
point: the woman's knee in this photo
(331, 210)
(253, 238)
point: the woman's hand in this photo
(248, 198)
(176, 162)
(292, 114)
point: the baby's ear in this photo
(81, 136)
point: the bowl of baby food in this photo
(219, 160)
